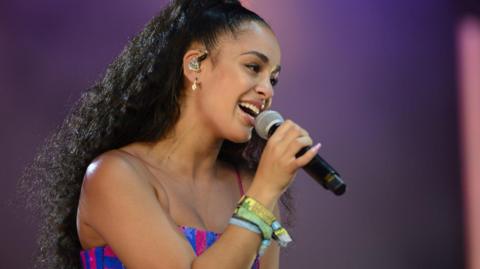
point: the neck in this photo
(189, 151)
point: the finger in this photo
(308, 156)
(289, 138)
(296, 145)
(282, 130)
(303, 131)
(283, 133)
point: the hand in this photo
(278, 164)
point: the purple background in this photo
(373, 80)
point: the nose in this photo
(265, 89)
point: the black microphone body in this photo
(317, 168)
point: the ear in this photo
(188, 57)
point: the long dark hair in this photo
(138, 99)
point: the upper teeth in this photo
(251, 107)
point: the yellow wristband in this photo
(257, 208)
(264, 219)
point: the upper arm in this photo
(123, 208)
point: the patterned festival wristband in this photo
(244, 214)
(253, 228)
(245, 224)
(280, 234)
(256, 207)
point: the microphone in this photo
(268, 121)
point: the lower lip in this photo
(249, 119)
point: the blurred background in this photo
(388, 87)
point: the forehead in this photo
(251, 36)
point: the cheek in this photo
(234, 74)
(230, 83)
(216, 99)
(224, 88)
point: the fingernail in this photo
(317, 147)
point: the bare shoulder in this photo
(112, 170)
(120, 204)
(113, 176)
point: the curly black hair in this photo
(138, 100)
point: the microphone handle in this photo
(323, 173)
(319, 169)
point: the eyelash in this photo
(256, 68)
(273, 81)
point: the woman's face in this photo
(236, 80)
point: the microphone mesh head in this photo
(265, 120)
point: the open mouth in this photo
(249, 109)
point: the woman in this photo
(151, 163)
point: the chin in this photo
(243, 138)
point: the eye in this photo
(273, 81)
(254, 67)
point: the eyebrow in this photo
(264, 59)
